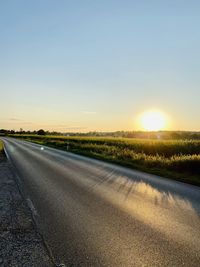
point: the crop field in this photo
(177, 159)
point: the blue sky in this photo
(96, 65)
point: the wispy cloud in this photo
(19, 121)
(14, 119)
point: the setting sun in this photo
(153, 121)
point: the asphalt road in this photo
(93, 213)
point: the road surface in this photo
(93, 213)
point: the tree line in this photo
(124, 134)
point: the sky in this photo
(97, 65)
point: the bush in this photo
(41, 132)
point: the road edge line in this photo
(33, 212)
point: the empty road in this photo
(93, 213)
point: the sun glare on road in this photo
(153, 121)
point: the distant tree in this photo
(3, 131)
(41, 132)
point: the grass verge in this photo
(2, 155)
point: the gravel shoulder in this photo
(20, 242)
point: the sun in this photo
(153, 121)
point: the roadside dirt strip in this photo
(20, 242)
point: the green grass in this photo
(1, 146)
(1, 150)
(177, 159)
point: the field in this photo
(177, 159)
